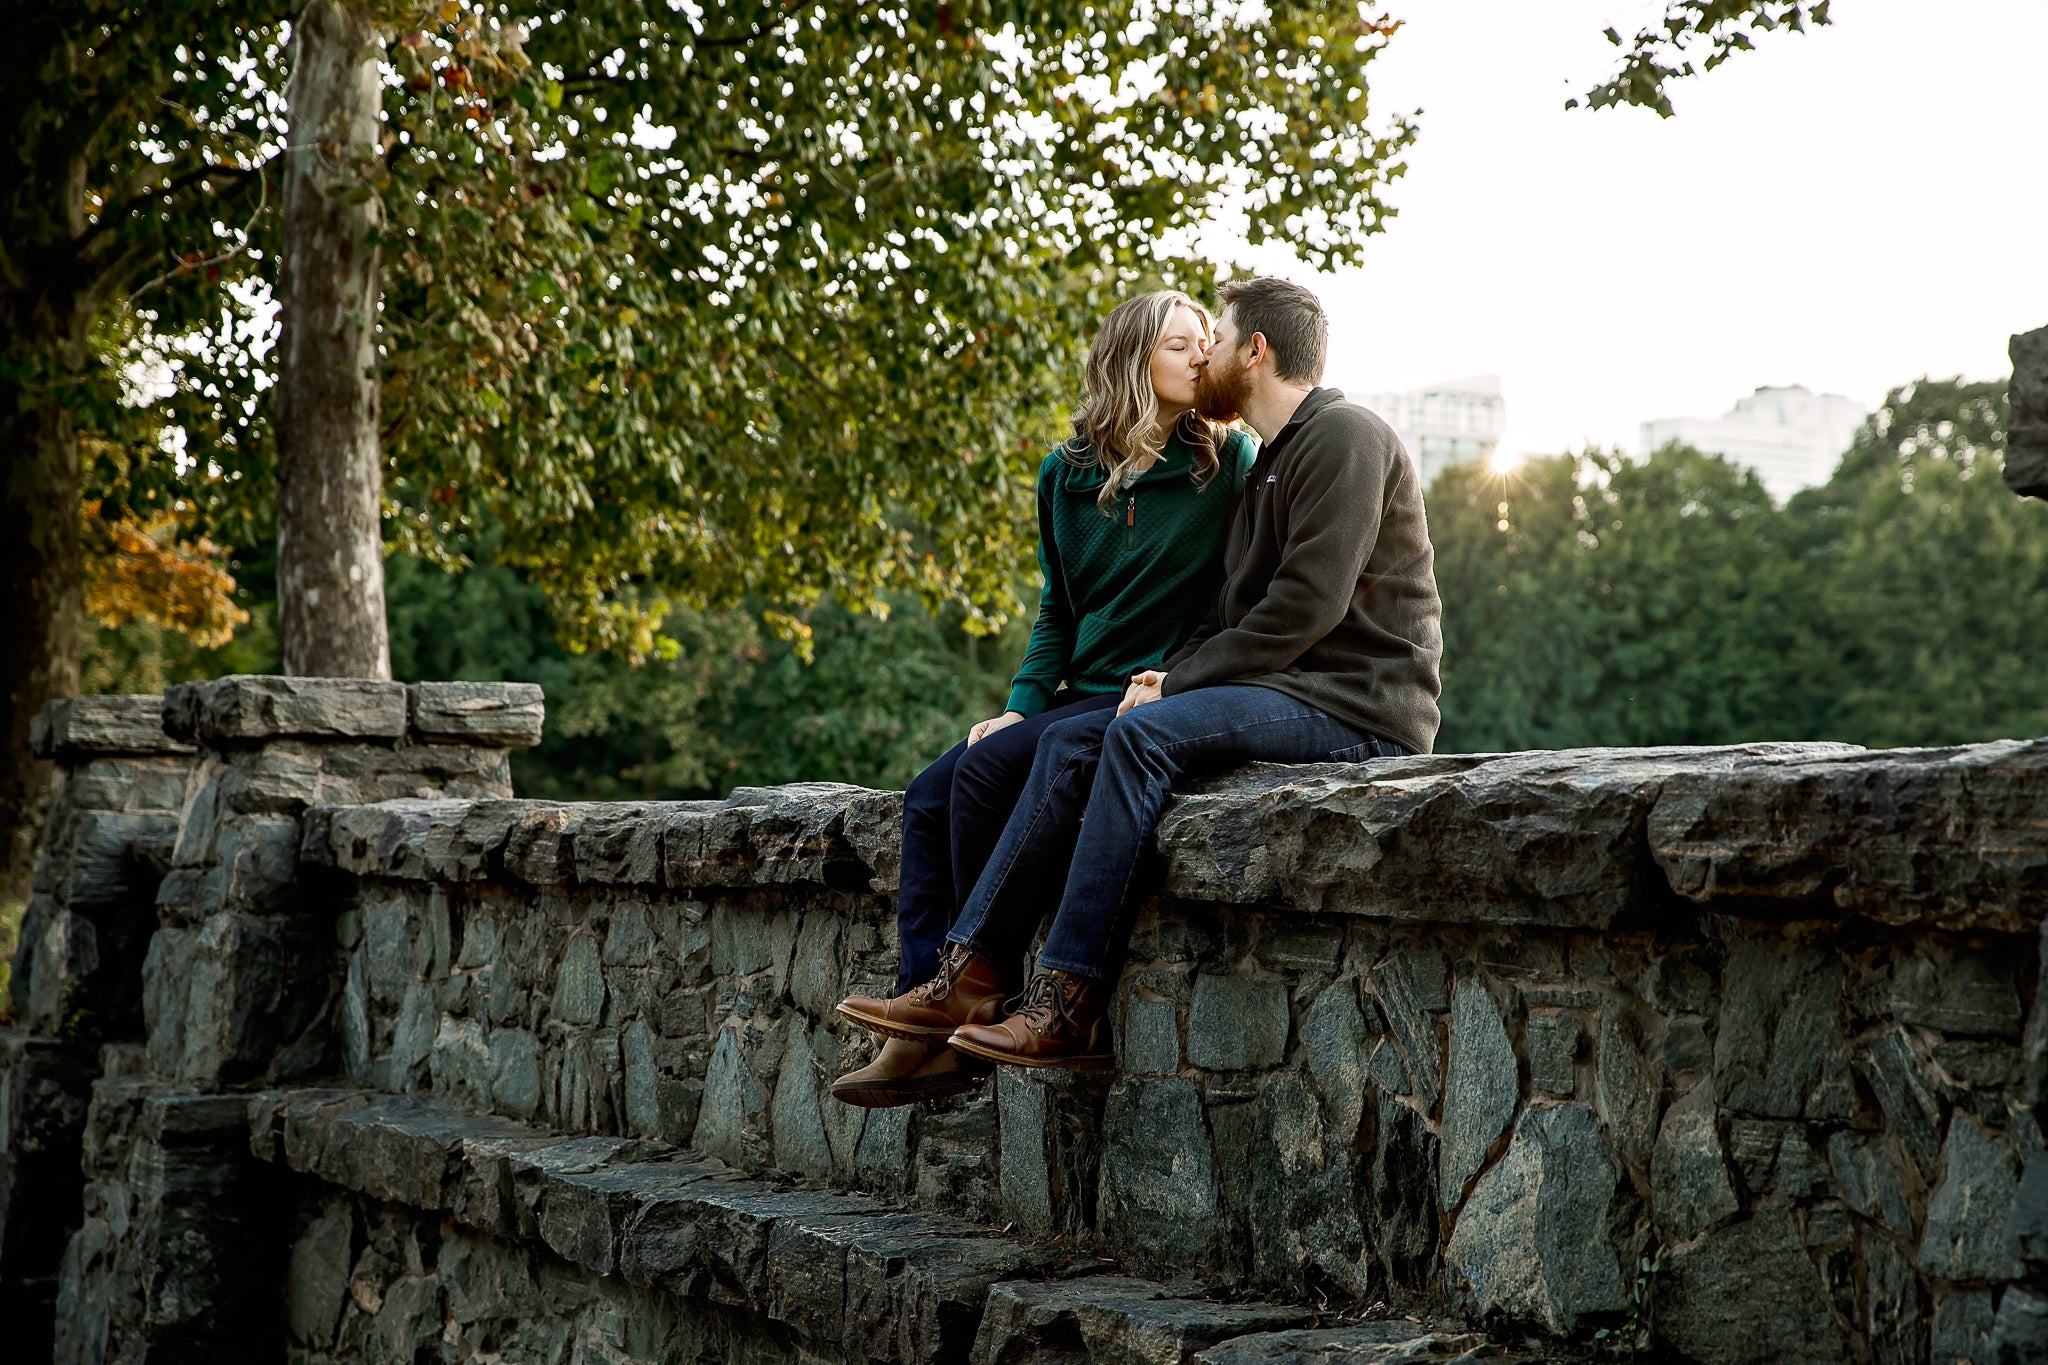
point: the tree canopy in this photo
(774, 300)
(1691, 37)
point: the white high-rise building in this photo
(1790, 436)
(1443, 424)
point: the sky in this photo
(1847, 209)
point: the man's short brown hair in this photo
(1292, 321)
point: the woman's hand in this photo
(983, 729)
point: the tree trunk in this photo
(47, 303)
(42, 608)
(330, 554)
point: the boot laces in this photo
(1045, 1003)
(941, 986)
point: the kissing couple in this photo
(1207, 603)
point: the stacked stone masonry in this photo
(170, 935)
(2026, 447)
(1737, 1054)
(235, 986)
(120, 788)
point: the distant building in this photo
(1444, 424)
(1791, 437)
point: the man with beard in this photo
(1323, 645)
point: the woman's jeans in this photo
(1118, 772)
(953, 814)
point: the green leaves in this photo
(1663, 52)
(1595, 600)
(726, 706)
(1932, 576)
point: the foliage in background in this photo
(1933, 577)
(696, 302)
(10, 939)
(732, 707)
(161, 599)
(749, 303)
(1593, 600)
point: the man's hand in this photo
(983, 729)
(1144, 687)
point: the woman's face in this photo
(1178, 358)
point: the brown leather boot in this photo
(967, 990)
(1063, 1022)
(903, 1073)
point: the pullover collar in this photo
(1174, 462)
(1312, 402)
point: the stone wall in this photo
(171, 938)
(1467, 1034)
(236, 986)
(422, 1229)
(120, 788)
(2026, 441)
(1471, 1040)
(175, 1255)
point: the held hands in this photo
(983, 729)
(1144, 687)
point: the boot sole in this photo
(891, 1095)
(909, 1033)
(1087, 1063)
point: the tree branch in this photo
(248, 229)
(816, 379)
(113, 217)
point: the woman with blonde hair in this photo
(1131, 514)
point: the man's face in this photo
(1221, 384)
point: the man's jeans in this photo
(1119, 770)
(953, 814)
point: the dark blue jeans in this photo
(1118, 772)
(953, 813)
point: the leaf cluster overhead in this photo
(782, 300)
(1693, 37)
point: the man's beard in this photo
(1220, 394)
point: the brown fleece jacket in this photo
(1329, 590)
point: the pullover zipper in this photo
(1130, 521)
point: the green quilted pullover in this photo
(1122, 591)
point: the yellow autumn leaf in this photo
(141, 572)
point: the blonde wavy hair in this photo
(1116, 423)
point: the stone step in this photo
(1390, 1342)
(850, 1274)
(1117, 1318)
